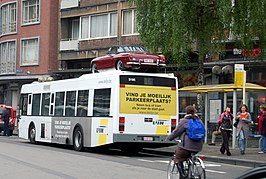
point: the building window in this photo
(75, 30)
(8, 57)
(8, 18)
(30, 11)
(129, 22)
(101, 102)
(30, 52)
(97, 26)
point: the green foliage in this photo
(179, 26)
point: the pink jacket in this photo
(226, 113)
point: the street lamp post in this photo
(239, 81)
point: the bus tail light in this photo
(173, 124)
(121, 124)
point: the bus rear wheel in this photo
(32, 134)
(78, 139)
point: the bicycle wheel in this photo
(198, 169)
(172, 171)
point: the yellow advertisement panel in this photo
(136, 99)
(239, 78)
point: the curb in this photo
(232, 161)
(241, 162)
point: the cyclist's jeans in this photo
(180, 168)
(242, 142)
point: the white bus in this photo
(122, 109)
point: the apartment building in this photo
(88, 28)
(28, 44)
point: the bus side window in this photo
(45, 104)
(24, 104)
(82, 104)
(70, 103)
(101, 102)
(36, 104)
(59, 103)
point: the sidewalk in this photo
(212, 153)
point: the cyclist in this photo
(186, 146)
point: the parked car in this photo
(254, 173)
(12, 119)
(124, 57)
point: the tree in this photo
(178, 26)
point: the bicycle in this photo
(194, 168)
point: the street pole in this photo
(234, 119)
(225, 100)
(206, 113)
(244, 88)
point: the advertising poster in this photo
(136, 99)
(215, 110)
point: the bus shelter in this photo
(225, 88)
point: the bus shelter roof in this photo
(222, 88)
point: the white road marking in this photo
(214, 171)
(206, 164)
(125, 157)
(162, 161)
(211, 165)
(143, 160)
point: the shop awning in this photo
(222, 88)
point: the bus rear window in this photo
(147, 80)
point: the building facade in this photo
(89, 28)
(28, 44)
(219, 69)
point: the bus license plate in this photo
(148, 138)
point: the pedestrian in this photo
(215, 133)
(225, 120)
(243, 118)
(262, 129)
(5, 117)
(187, 145)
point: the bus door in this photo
(29, 104)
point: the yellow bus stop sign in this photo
(239, 79)
(240, 75)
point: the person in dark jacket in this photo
(262, 129)
(242, 129)
(5, 117)
(186, 146)
(225, 120)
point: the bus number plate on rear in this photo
(148, 138)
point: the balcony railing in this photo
(69, 4)
(69, 45)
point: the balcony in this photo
(65, 4)
(69, 45)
